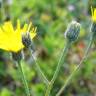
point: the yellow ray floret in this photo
(11, 39)
(93, 14)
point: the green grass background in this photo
(51, 17)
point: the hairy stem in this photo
(76, 69)
(61, 60)
(41, 74)
(23, 79)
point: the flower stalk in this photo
(41, 74)
(14, 35)
(61, 60)
(92, 38)
(26, 40)
(76, 69)
(17, 57)
(71, 35)
(20, 69)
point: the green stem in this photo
(41, 74)
(76, 69)
(61, 60)
(49, 87)
(23, 79)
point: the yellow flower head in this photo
(93, 14)
(11, 38)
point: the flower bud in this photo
(17, 56)
(26, 40)
(72, 31)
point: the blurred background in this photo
(51, 17)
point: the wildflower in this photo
(11, 38)
(72, 31)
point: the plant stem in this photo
(76, 69)
(49, 87)
(61, 60)
(23, 78)
(41, 74)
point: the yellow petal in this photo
(24, 29)
(8, 28)
(29, 26)
(3, 35)
(1, 31)
(18, 24)
(4, 47)
(33, 33)
(93, 11)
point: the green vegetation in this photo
(51, 17)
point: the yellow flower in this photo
(11, 38)
(93, 14)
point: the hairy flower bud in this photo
(17, 56)
(72, 31)
(26, 40)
